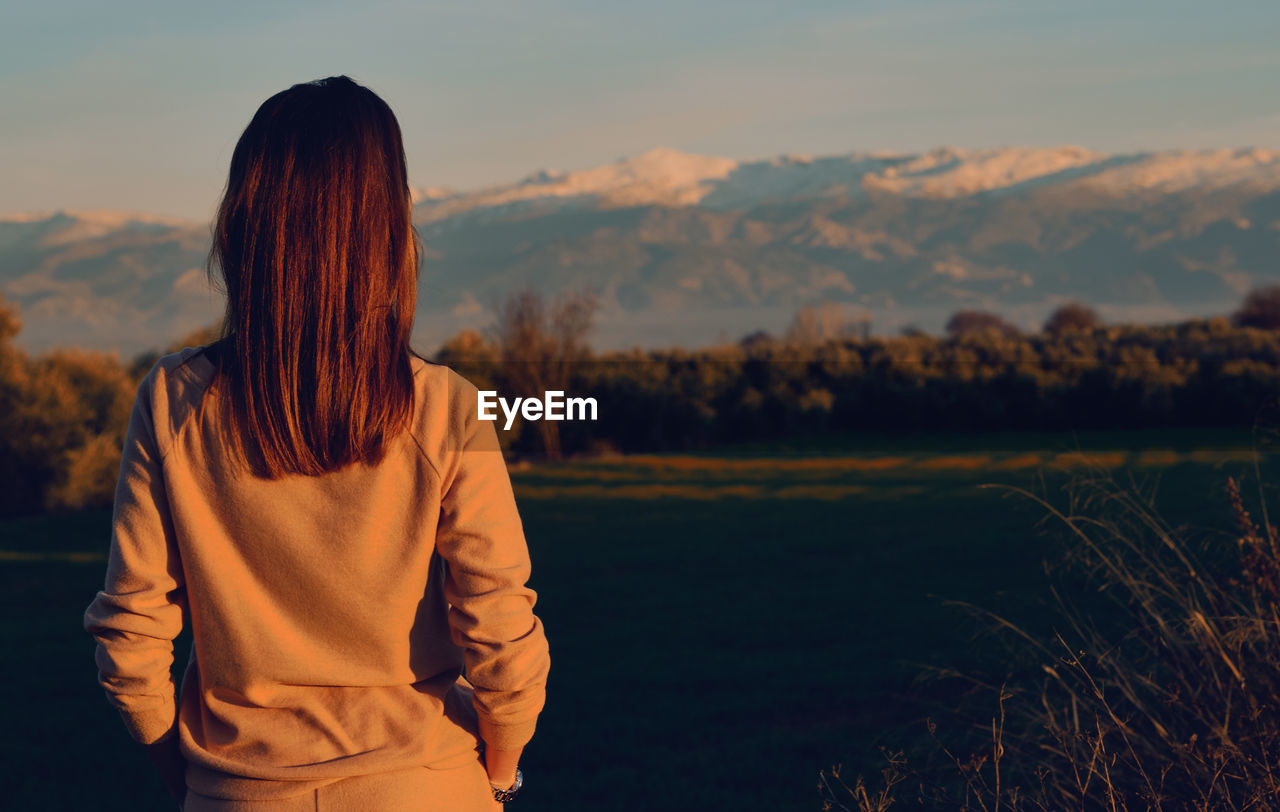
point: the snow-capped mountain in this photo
(671, 178)
(104, 279)
(684, 248)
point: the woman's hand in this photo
(172, 767)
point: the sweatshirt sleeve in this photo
(491, 610)
(138, 613)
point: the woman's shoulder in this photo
(182, 375)
(442, 381)
(446, 412)
(173, 388)
(188, 365)
(198, 361)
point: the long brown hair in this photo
(319, 259)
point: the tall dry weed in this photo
(1158, 688)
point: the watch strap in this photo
(503, 795)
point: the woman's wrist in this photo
(503, 784)
(501, 766)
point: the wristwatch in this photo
(503, 795)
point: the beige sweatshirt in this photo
(332, 616)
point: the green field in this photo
(722, 626)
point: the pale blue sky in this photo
(137, 104)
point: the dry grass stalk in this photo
(1167, 700)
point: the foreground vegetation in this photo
(1156, 687)
(724, 627)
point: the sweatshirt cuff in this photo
(153, 724)
(505, 736)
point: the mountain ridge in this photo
(685, 248)
(676, 178)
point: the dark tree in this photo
(1261, 308)
(472, 355)
(539, 342)
(1072, 316)
(977, 321)
(751, 341)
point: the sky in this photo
(136, 105)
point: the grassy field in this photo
(722, 626)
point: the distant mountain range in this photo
(690, 249)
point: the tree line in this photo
(63, 414)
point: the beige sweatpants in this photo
(461, 789)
